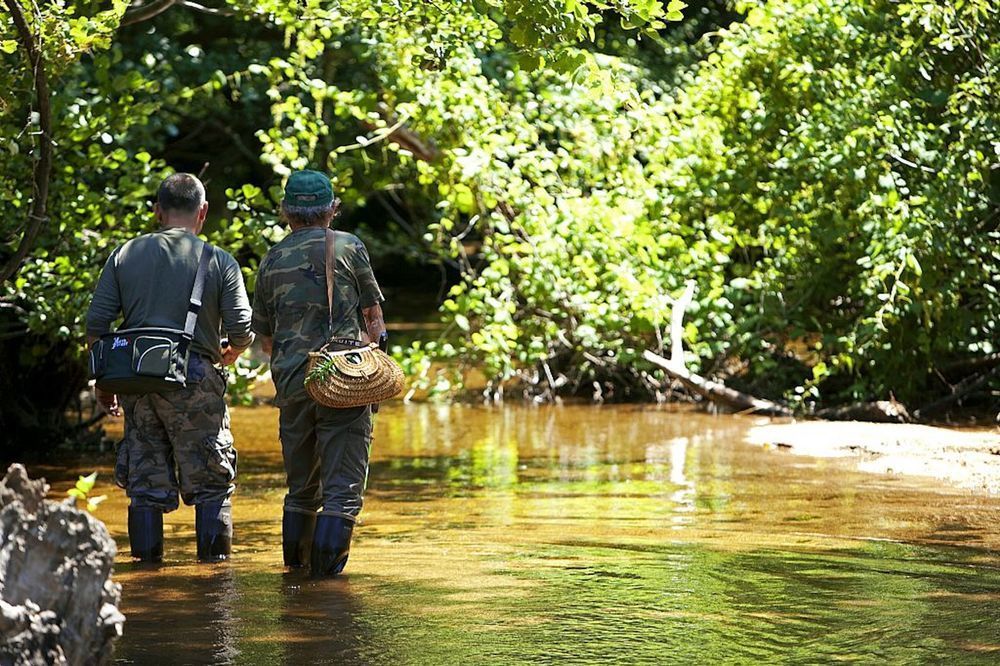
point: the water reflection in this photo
(581, 534)
(176, 612)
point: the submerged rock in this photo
(58, 604)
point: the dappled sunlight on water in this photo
(579, 534)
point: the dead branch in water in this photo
(720, 394)
(717, 392)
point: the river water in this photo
(579, 535)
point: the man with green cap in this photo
(325, 450)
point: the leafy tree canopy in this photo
(823, 171)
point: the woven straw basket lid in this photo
(354, 377)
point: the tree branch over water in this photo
(146, 11)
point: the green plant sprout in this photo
(82, 489)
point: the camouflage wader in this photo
(326, 457)
(178, 440)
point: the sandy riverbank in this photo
(965, 458)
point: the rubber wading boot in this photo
(331, 545)
(145, 533)
(213, 525)
(297, 537)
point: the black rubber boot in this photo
(297, 537)
(331, 545)
(145, 533)
(213, 525)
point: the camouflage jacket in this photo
(290, 303)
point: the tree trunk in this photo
(31, 43)
(57, 602)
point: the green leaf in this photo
(86, 483)
(464, 199)
(529, 61)
(820, 371)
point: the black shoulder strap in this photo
(194, 306)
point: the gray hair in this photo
(309, 216)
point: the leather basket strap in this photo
(331, 274)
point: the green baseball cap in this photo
(308, 189)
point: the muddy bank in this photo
(967, 458)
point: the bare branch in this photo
(205, 10)
(400, 135)
(677, 324)
(380, 134)
(962, 389)
(908, 163)
(146, 11)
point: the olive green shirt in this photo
(148, 280)
(290, 301)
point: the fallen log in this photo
(969, 366)
(717, 392)
(58, 604)
(886, 411)
(878, 411)
(961, 390)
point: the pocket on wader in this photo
(121, 464)
(197, 365)
(222, 455)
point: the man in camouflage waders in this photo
(176, 440)
(325, 450)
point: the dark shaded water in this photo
(580, 535)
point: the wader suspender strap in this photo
(331, 274)
(194, 306)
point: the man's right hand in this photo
(109, 401)
(230, 354)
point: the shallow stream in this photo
(578, 535)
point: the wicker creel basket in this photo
(352, 377)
